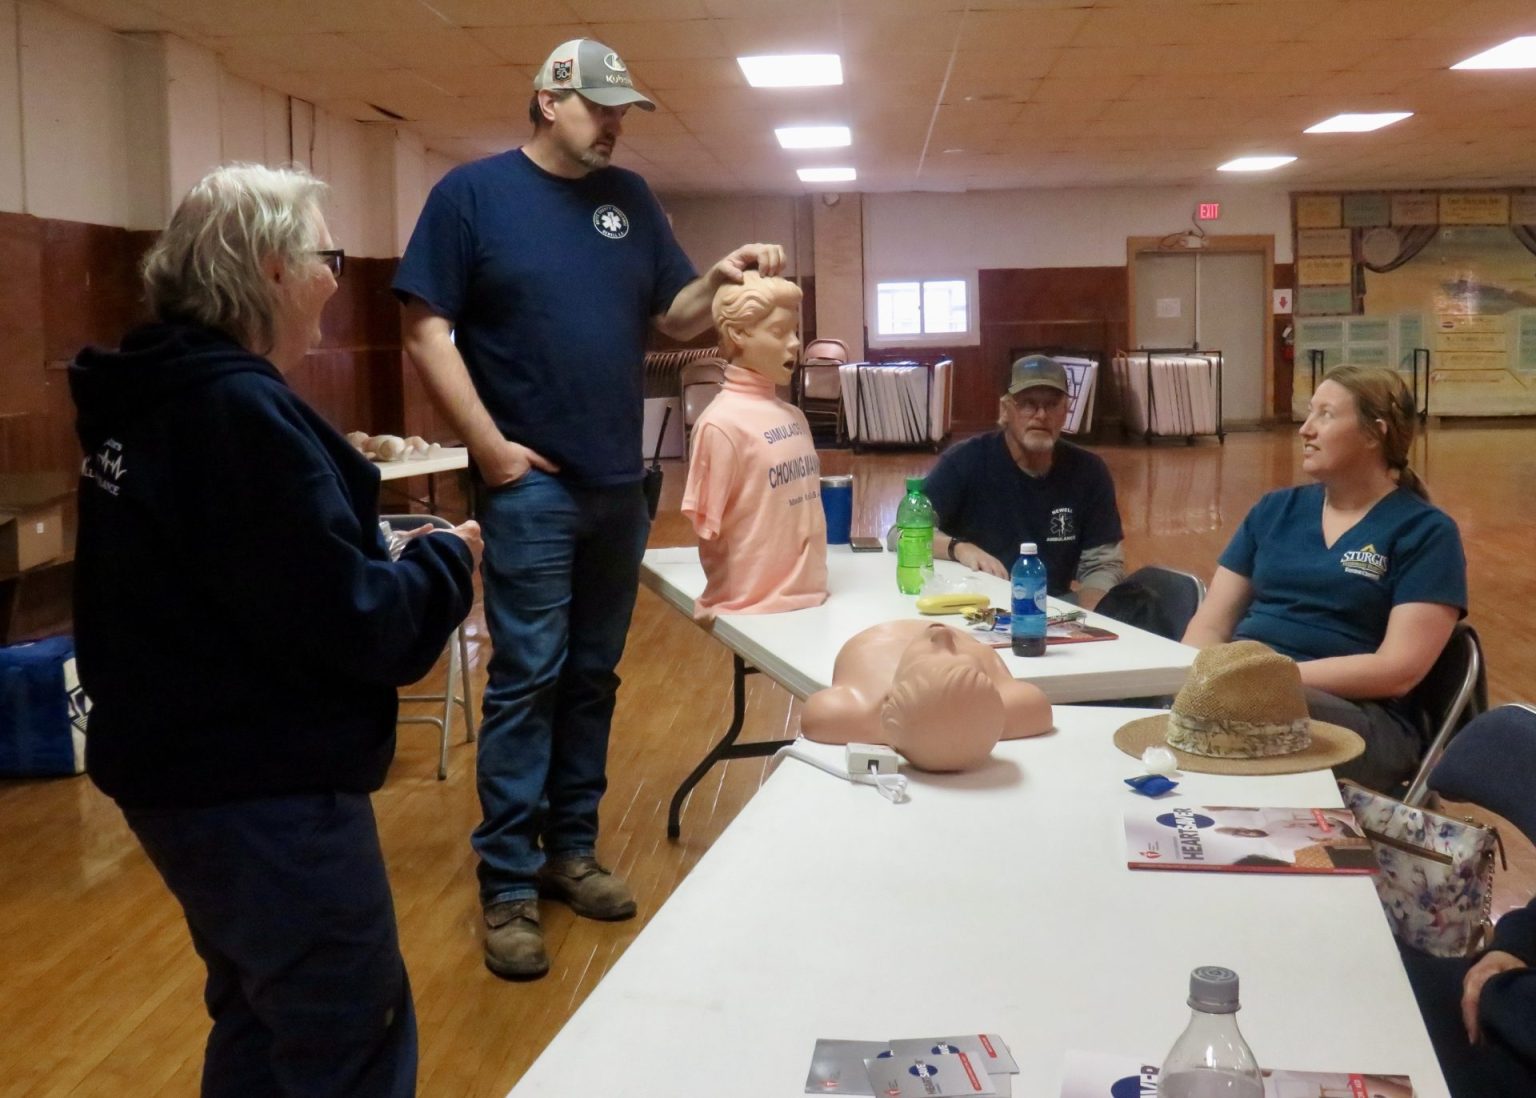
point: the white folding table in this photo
(797, 649)
(448, 459)
(992, 901)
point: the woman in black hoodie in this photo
(241, 631)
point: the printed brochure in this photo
(1246, 840)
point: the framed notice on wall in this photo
(1319, 211)
(1313, 242)
(1415, 209)
(1324, 271)
(1474, 209)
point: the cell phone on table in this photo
(866, 545)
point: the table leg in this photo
(726, 749)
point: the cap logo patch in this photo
(611, 59)
(561, 70)
(611, 222)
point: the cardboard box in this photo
(32, 518)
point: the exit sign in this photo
(1209, 211)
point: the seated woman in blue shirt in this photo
(1357, 577)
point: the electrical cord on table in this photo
(893, 787)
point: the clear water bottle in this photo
(914, 538)
(1211, 1059)
(1029, 606)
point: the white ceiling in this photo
(941, 94)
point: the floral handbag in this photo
(1436, 879)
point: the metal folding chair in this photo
(1453, 692)
(458, 664)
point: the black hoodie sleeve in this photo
(282, 546)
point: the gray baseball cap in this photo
(1038, 372)
(587, 66)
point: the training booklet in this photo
(1073, 631)
(1099, 1075)
(1246, 840)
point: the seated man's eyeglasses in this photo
(335, 259)
(1032, 404)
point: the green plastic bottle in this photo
(914, 538)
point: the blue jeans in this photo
(561, 567)
(290, 910)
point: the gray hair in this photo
(206, 266)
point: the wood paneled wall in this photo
(65, 285)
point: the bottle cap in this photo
(1213, 990)
(914, 484)
(1028, 549)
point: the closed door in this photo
(1165, 300)
(1230, 317)
(1215, 300)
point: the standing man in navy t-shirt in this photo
(530, 286)
(1023, 483)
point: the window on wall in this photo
(927, 307)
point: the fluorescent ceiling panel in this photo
(1255, 163)
(814, 137)
(827, 175)
(1358, 123)
(792, 70)
(1517, 53)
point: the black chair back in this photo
(1159, 600)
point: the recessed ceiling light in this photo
(792, 70)
(814, 137)
(827, 175)
(1517, 53)
(1255, 163)
(1358, 123)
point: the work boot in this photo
(587, 887)
(514, 942)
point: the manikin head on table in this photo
(759, 323)
(939, 697)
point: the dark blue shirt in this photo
(981, 495)
(551, 285)
(1312, 601)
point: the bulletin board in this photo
(1446, 279)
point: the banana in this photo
(951, 604)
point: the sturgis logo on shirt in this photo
(1063, 525)
(1365, 562)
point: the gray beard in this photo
(592, 159)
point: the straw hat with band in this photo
(1242, 711)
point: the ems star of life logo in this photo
(1063, 525)
(1365, 562)
(611, 222)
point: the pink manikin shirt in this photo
(754, 497)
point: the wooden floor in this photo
(101, 989)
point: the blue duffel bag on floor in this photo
(42, 710)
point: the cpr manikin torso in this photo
(754, 484)
(940, 698)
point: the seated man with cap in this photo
(1023, 483)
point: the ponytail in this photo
(1407, 478)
